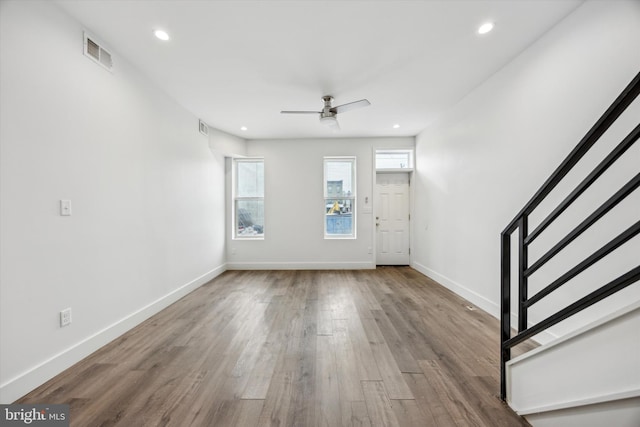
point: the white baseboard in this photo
(466, 293)
(363, 265)
(23, 383)
(478, 300)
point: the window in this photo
(394, 159)
(339, 197)
(248, 203)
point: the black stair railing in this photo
(526, 237)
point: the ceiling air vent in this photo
(204, 129)
(97, 53)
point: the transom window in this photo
(339, 197)
(248, 198)
(394, 159)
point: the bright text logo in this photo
(34, 415)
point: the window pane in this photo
(339, 216)
(393, 160)
(339, 197)
(338, 176)
(249, 218)
(250, 179)
(338, 206)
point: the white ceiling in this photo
(238, 63)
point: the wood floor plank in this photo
(279, 402)
(72, 382)
(346, 363)
(408, 413)
(449, 395)
(378, 404)
(178, 404)
(362, 291)
(389, 370)
(328, 412)
(302, 410)
(248, 413)
(267, 356)
(465, 398)
(325, 322)
(219, 385)
(428, 401)
(275, 409)
(297, 348)
(355, 415)
(366, 362)
(248, 359)
(234, 375)
(113, 407)
(398, 308)
(282, 403)
(405, 360)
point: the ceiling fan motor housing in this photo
(326, 111)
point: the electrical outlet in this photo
(65, 317)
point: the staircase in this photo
(579, 379)
(575, 275)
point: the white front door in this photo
(392, 218)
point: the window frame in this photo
(235, 198)
(353, 197)
(410, 152)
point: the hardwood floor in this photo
(385, 347)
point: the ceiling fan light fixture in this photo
(330, 122)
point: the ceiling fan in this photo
(328, 115)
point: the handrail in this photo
(607, 206)
(621, 239)
(525, 238)
(610, 288)
(593, 176)
(608, 118)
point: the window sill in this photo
(398, 170)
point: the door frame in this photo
(372, 207)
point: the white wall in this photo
(147, 194)
(483, 160)
(225, 144)
(294, 205)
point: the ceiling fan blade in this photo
(299, 112)
(350, 106)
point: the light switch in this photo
(65, 207)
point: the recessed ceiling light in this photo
(485, 28)
(243, 128)
(396, 126)
(161, 34)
